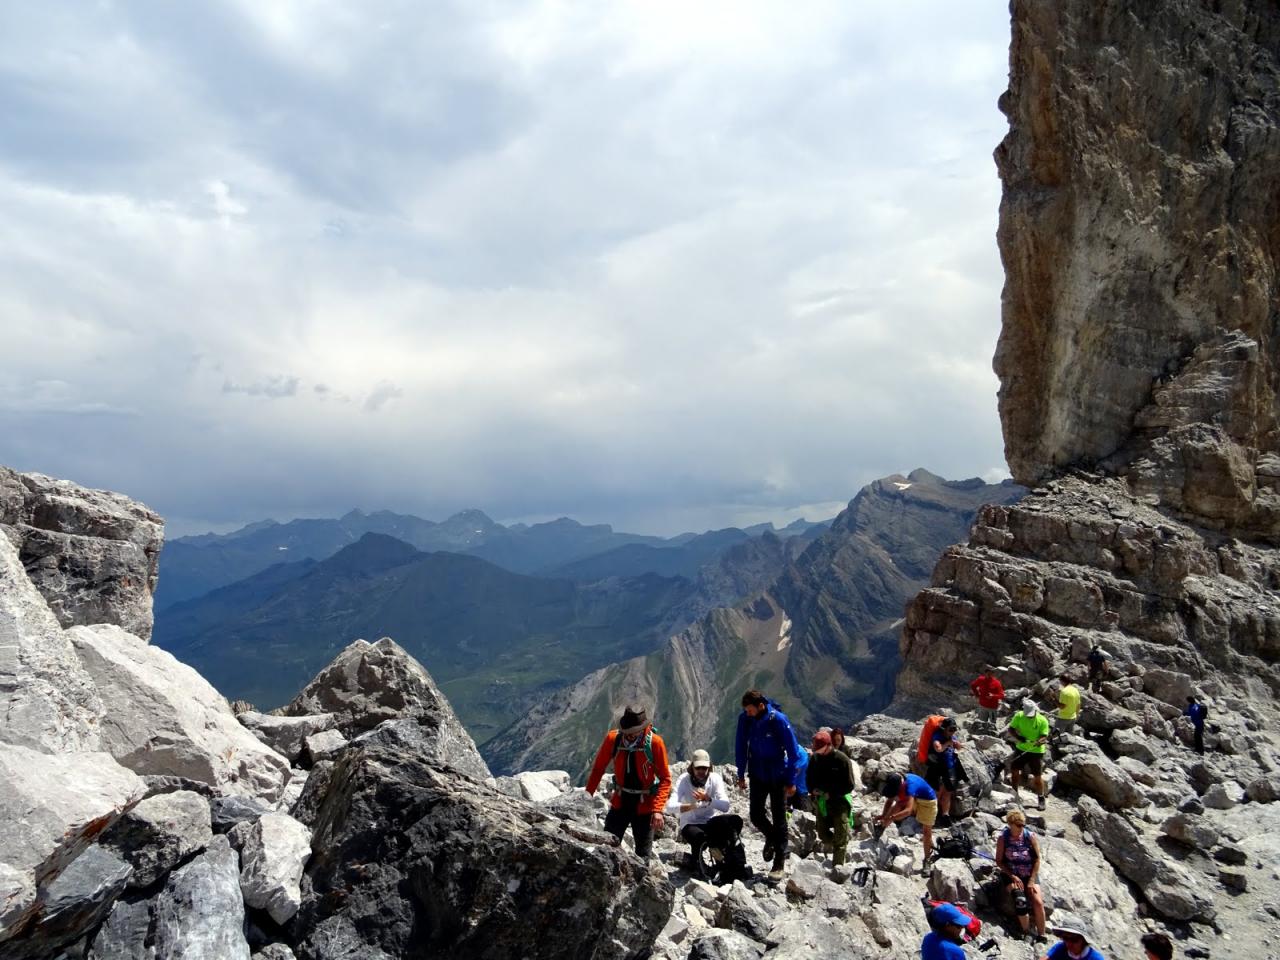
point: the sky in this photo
(665, 265)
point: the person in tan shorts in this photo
(910, 796)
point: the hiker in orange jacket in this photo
(641, 779)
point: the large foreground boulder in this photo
(52, 807)
(161, 717)
(92, 554)
(414, 860)
(199, 914)
(370, 683)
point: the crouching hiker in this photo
(641, 779)
(910, 796)
(831, 786)
(701, 800)
(1018, 859)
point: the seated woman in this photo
(1018, 858)
(700, 798)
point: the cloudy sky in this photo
(669, 265)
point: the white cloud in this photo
(635, 262)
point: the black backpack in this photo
(731, 864)
(957, 846)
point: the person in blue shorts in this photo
(943, 941)
(1073, 940)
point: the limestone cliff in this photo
(1140, 228)
(1140, 231)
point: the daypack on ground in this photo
(957, 846)
(931, 724)
(731, 864)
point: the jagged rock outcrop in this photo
(92, 554)
(1137, 229)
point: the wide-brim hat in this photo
(1065, 923)
(633, 719)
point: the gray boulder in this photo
(126, 934)
(1222, 795)
(286, 735)
(52, 807)
(275, 951)
(230, 810)
(72, 904)
(323, 746)
(724, 944)
(49, 701)
(92, 554)
(199, 915)
(1264, 789)
(1168, 887)
(1191, 830)
(1087, 768)
(738, 911)
(161, 717)
(159, 833)
(452, 867)
(274, 850)
(368, 684)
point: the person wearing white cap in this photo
(1073, 940)
(1031, 728)
(700, 795)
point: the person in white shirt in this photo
(701, 800)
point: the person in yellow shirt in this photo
(1068, 706)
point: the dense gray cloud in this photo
(672, 266)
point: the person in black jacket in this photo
(830, 784)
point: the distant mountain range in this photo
(192, 566)
(492, 637)
(821, 638)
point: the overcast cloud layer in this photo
(669, 265)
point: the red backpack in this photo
(971, 930)
(932, 723)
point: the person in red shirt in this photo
(990, 693)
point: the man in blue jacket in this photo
(767, 753)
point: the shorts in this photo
(939, 776)
(1032, 763)
(926, 812)
(1062, 725)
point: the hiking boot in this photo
(1040, 803)
(779, 869)
(768, 851)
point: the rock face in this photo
(160, 832)
(93, 555)
(451, 867)
(161, 717)
(199, 913)
(49, 702)
(1140, 247)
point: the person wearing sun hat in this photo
(1073, 940)
(641, 778)
(701, 800)
(1031, 728)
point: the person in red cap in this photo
(641, 779)
(831, 786)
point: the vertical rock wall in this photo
(1140, 224)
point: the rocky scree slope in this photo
(1137, 363)
(821, 638)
